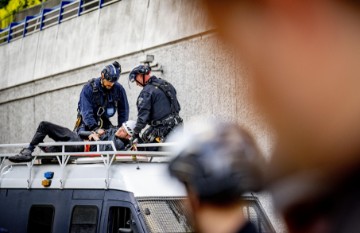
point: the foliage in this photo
(7, 12)
(3, 3)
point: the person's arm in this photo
(177, 100)
(93, 135)
(122, 107)
(144, 109)
(177, 104)
(84, 134)
(86, 107)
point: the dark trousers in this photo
(58, 134)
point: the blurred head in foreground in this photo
(304, 60)
(217, 162)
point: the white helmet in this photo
(129, 126)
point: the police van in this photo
(102, 191)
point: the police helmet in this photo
(140, 69)
(129, 126)
(218, 161)
(112, 72)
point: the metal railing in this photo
(64, 154)
(63, 157)
(48, 17)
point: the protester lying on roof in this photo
(120, 137)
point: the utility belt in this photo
(171, 120)
(161, 128)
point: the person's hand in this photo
(135, 138)
(100, 131)
(133, 147)
(94, 137)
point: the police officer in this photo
(157, 106)
(120, 138)
(218, 162)
(99, 100)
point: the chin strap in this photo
(141, 84)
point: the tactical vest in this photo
(167, 88)
(97, 98)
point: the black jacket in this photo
(89, 100)
(153, 104)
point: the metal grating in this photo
(169, 215)
(165, 215)
(254, 212)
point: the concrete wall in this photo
(43, 73)
(122, 28)
(208, 79)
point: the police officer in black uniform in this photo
(218, 164)
(99, 100)
(157, 106)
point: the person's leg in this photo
(55, 132)
(58, 134)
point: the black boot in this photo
(23, 156)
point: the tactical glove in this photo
(135, 138)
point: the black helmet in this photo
(112, 72)
(140, 69)
(219, 162)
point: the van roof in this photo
(142, 179)
(130, 171)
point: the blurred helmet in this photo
(218, 161)
(112, 72)
(129, 126)
(140, 69)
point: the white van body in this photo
(120, 191)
